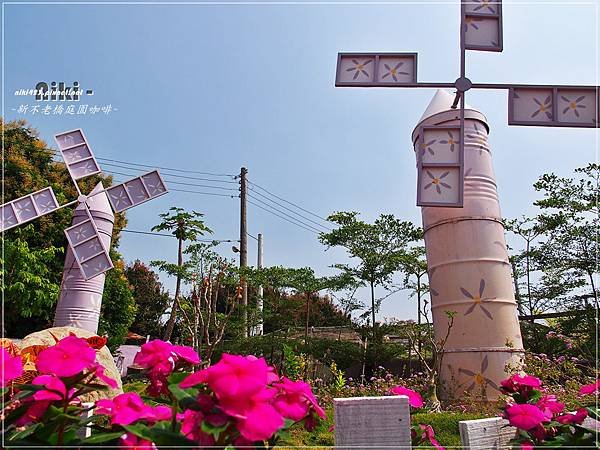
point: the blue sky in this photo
(213, 87)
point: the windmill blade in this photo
(28, 208)
(136, 191)
(77, 154)
(482, 26)
(88, 249)
(554, 106)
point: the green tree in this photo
(378, 247)
(150, 297)
(305, 282)
(210, 312)
(570, 212)
(29, 287)
(185, 226)
(414, 267)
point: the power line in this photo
(151, 233)
(172, 169)
(216, 194)
(204, 193)
(176, 182)
(282, 217)
(287, 215)
(172, 175)
(288, 202)
(288, 209)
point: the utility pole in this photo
(259, 264)
(244, 242)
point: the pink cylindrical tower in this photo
(80, 300)
(468, 266)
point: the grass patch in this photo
(445, 425)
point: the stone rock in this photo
(103, 356)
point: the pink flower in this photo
(99, 372)
(10, 367)
(156, 356)
(527, 445)
(590, 389)
(55, 389)
(160, 357)
(158, 413)
(260, 419)
(414, 398)
(233, 376)
(295, 400)
(525, 416)
(520, 383)
(34, 413)
(550, 405)
(130, 441)
(430, 435)
(191, 428)
(570, 418)
(68, 357)
(187, 354)
(127, 408)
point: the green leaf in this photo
(177, 377)
(18, 435)
(168, 438)
(183, 396)
(594, 413)
(102, 437)
(212, 430)
(139, 430)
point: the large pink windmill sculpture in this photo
(468, 265)
(89, 236)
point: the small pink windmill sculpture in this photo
(468, 265)
(89, 237)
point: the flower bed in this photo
(238, 401)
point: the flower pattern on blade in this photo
(11, 367)
(479, 379)
(70, 356)
(478, 300)
(414, 398)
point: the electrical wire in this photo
(288, 209)
(284, 218)
(300, 221)
(152, 233)
(173, 175)
(287, 201)
(172, 169)
(286, 214)
(176, 182)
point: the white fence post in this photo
(375, 423)
(486, 434)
